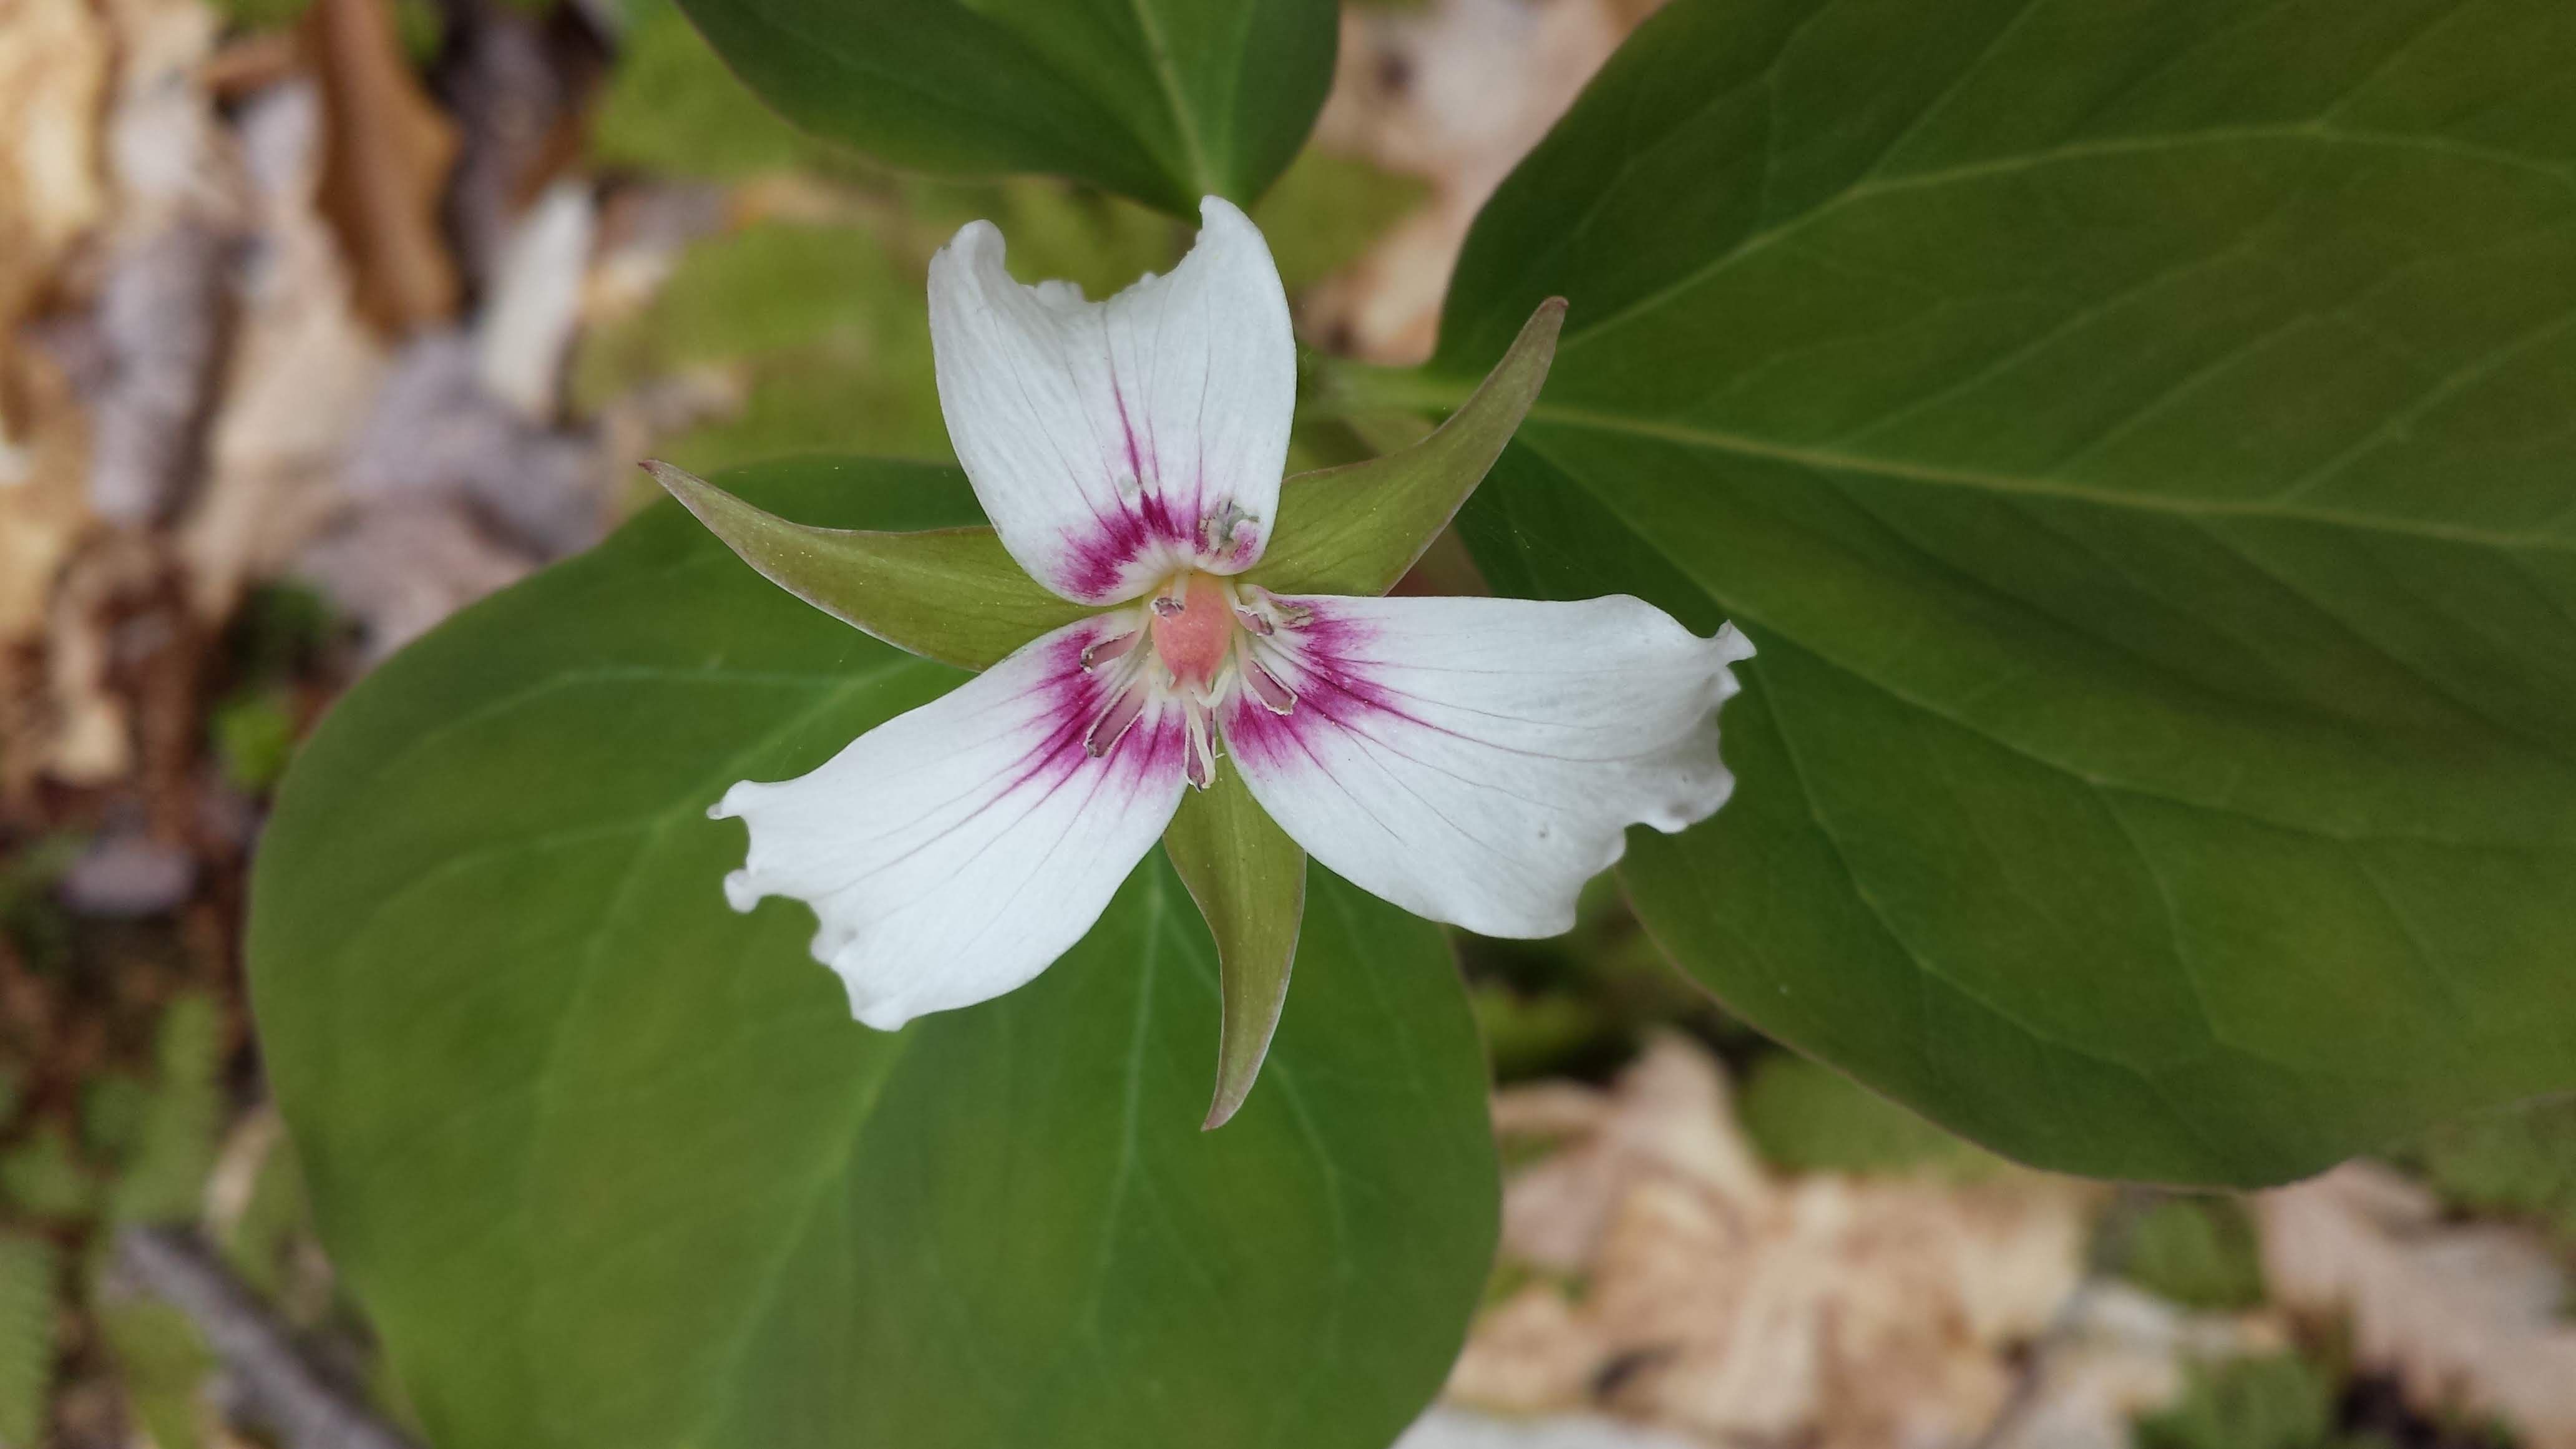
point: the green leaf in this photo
(2134, 433)
(163, 1363)
(1162, 100)
(162, 1177)
(609, 1165)
(671, 107)
(42, 1177)
(30, 1274)
(253, 735)
(2200, 1252)
(2278, 1401)
(2519, 1161)
(1356, 529)
(1249, 882)
(1807, 1117)
(950, 594)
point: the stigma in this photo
(1208, 641)
(1193, 624)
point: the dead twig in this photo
(280, 1387)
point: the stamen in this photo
(1114, 722)
(1199, 764)
(1108, 649)
(1265, 686)
(1219, 532)
(1166, 606)
(1256, 622)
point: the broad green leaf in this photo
(1356, 529)
(1249, 882)
(1807, 1117)
(1162, 100)
(609, 1165)
(2136, 434)
(951, 594)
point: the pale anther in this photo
(1108, 649)
(1265, 686)
(1113, 723)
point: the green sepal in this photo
(1249, 880)
(1357, 528)
(950, 594)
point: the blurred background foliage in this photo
(755, 293)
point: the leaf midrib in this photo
(1448, 394)
(1936, 710)
(1167, 76)
(1826, 459)
(1869, 186)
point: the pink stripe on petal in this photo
(1114, 443)
(1477, 760)
(954, 851)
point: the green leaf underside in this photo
(949, 594)
(1162, 100)
(2138, 436)
(1249, 881)
(610, 1165)
(1356, 529)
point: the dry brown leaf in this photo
(162, 307)
(1717, 1298)
(2465, 1317)
(43, 460)
(304, 372)
(1450, 1428)
(166, 148)
(387, 152)
(53, 92)
(87, 732)
(245, 65)
(54, 71)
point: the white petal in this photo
(1113, 442)
(1477, 760)
(952, 853)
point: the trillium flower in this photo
(1473, 760)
